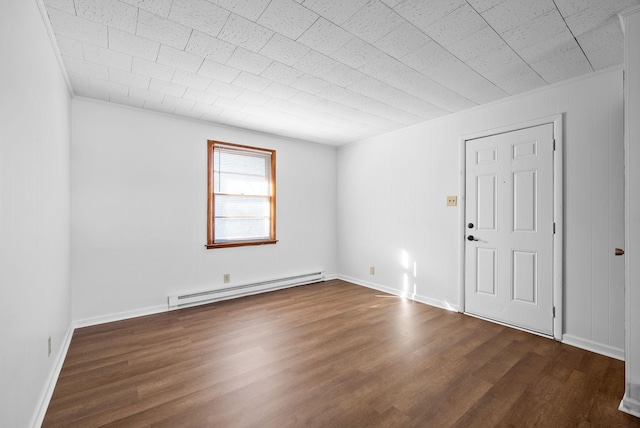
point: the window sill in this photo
(239, 244)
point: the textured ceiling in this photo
(330, 71)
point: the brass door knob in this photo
(619, 252)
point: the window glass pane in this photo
(240, 163)
(234, 229)
(239, 206)
(241, 184)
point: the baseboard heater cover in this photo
(210, 296)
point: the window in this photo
(242, 195)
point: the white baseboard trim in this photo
(119, 316)
(598, 348)
(416, 297)
(47, 392)
(631, 406)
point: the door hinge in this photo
(554, 228)
(554, 311)
(554, 145)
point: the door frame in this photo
(558, 211)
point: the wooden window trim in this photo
(211, 144)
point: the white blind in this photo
(242, 194)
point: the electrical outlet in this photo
(452, 201)
(227, 278)
(372, 270)
(49, 346)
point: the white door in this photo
(509, 228)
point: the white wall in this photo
(392, 194)
(631, 19)
(34, 211)
(139, 186)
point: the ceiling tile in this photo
(587, 19)
(402, 40)
(459, 77)
(128, 78)
(160, 108)
(316, 64)
(110, 87)
(280, 91)
(250, 9)
(162, 30)
(324, 36)
(497, 58)
(97, 94)
(82, 67)
(127, 101)
(457, 25)
(179, 59)
(220, 72)
(187, 112)
(564, 65)
(133, 45)
(108, 12)
(212, 48)
(108, 57)
(167, 88)
(310, 84)
(284, 50)
(157, 7)
(482, 5)
(242, 32)
(515, 77)
(63, 5)
(76, 28)
(356, 53)
(70, 47)
(200, 96)
(427, 57)
(251, 81)
(245, 60)
(281, 73)
(604, 45)
(374, 21)
(229, 103)
(199, 15)
(477, 44)
(337, 11)
(224, 89)
(191, 80)
(251, 97)
(394, 97)
(424, 13)
(420, 86)
(383, 66)
(343, 75)
(564, 40)
(513, 13)
(78, 79)
(152, 69)
(146, 95)
(541, 28)
(177, 102)
(287, 18)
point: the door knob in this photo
(619, 252)
(471, 238)
(470, 225)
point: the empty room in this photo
(324, 213)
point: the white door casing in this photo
(509, 212)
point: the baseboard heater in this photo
(209, 296)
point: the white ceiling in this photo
(330, 71)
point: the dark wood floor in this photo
(329, 355)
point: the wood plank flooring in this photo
(331, 354)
